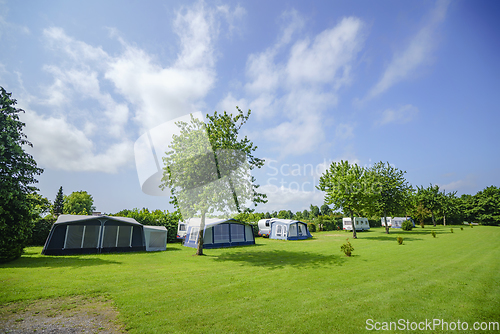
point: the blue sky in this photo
(414, 83)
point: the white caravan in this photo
(182, 227)
(396, 222)
(361, 224)
(265, 226)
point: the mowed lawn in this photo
(281, 286)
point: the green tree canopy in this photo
(325, 210)
(390, 190)
(207, 168)
(18, 171)
(346, 187)
(488, 206)
(78, 203)
(314, 211)
(430, 199)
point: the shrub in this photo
(451, 230)
(347, 248)
(433, 234)
(422, 224)
(407, 225)
(400, 240)
(461, 228)
(41, 230)
(311, 227)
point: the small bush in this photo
(347, 248)
(461, 228)
(407, 225)
(422, 224)
(451, 230)
(400, 240)
(433, 234)
(311, 227)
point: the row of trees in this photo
(383, 191)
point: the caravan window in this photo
(267, 223)
(182, 227)
(278, 230)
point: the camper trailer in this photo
(361, 224)
(396, 222)
(183, 226)
(181, 230)
(265, 226)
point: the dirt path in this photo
(63, 315)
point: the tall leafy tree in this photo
(488, 206)
(325, 210)
(206, 168)
(315, 212)
(430, 198)
(448, 204)
(345, 187)
(223, 133)
(18, 171)
(58, 207)
(79, 203)
(390, 190)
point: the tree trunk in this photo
(199, 249)
(354, 236)
(444, 219)
(433, 220)
(386, 225)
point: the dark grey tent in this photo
(74, 234)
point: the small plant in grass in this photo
(347, 248)
(407, 225)
(400, 240)
(422, 224)
(433, 233)
(471, 225)
(461, 228)
(451, 230)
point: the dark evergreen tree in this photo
(58, 206)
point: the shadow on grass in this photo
(278, 259)
(57, 262)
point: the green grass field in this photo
(281, 286)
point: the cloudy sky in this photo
(414, 83)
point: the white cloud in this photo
(344, 131)
(289, 198)
(305, 85)
(402, 115)
(94, 133)
(417, 53)
(61, 145)
(465, 185)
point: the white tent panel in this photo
(156, 238)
